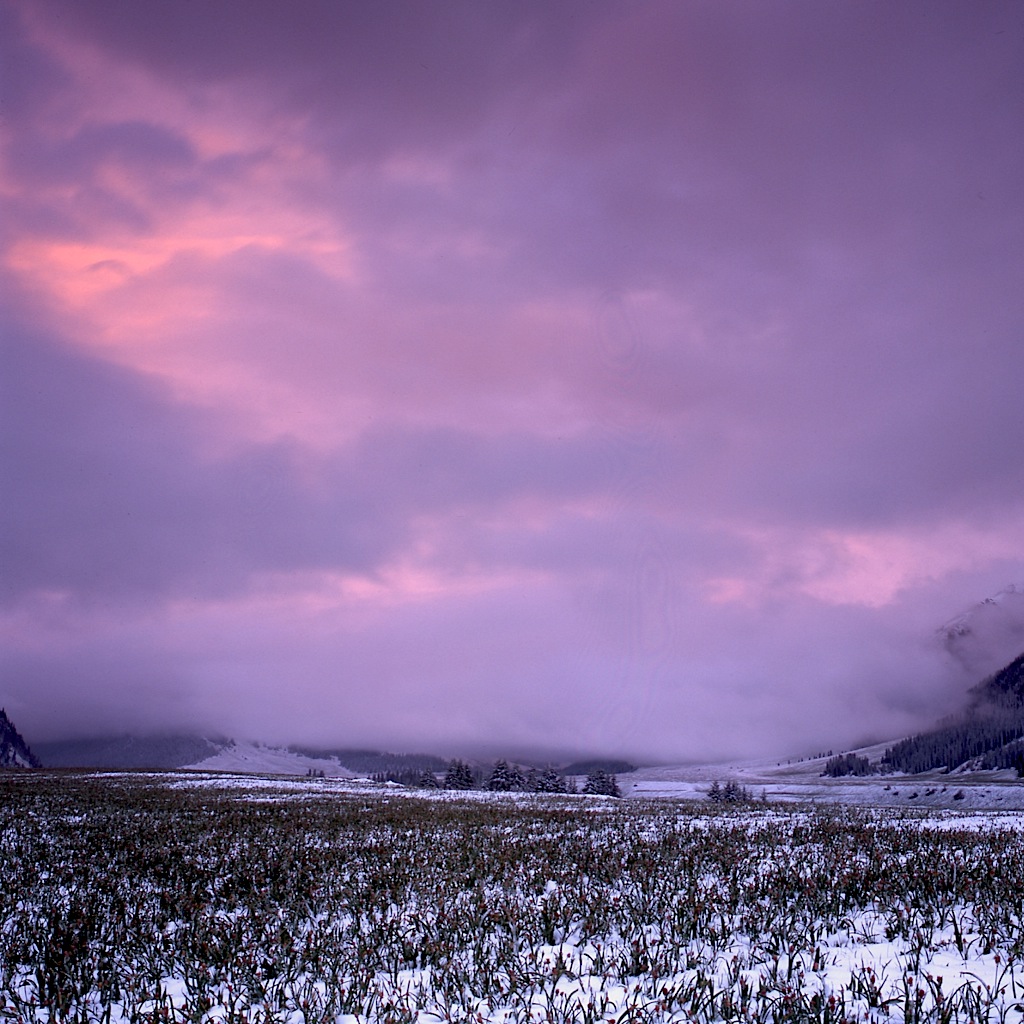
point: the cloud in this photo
(594, 376)
(114, 496)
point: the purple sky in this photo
(642, 378)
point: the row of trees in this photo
(989, 734)
(404, 776)
(993, 737)
(848, 764)
(731, 793)
(505, 777)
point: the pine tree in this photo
(458, 776)
(428, 780)
(549, 781)
(731, 793)
(516, 778)
(500, 780)
(600, 783)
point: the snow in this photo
(990, 634)
(776, 781)
(802, 781)
(886, 958)
(261, 759)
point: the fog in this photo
(638, 380)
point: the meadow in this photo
(164, 899)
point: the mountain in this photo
(1004, 689)
(262, 759)
(189, 751)
(989, 733)
(611, 767)
(164, 753)
(987, 635)
(14, 751)
(132, 752)
(376, 762)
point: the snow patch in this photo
(260, 759)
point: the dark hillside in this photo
(1005, 688)
(990, 732)
(376, 762)
(132, 752)
(14, 751)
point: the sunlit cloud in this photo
(860, 568)
(582, 377)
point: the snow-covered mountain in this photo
(260, 759)
(191, 751)
(988, 635)
(14, 751)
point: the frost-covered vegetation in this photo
(139, 899)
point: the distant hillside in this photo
(14, 751)
(376, 762)
(188, 751)
(990, 732)
(611, 767)
(1004, 689)
(131, 752)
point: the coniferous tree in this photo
(731, 793)
(848, 764)
(428, 780)
(986, 734)
(600, 783)
(458, 776)
(516, 778)
(500, 780)
(549, 781)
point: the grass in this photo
(123, 898)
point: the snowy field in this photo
(205, 897)
(803, 781)
(798, 781)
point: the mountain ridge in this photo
(127, 751)
(14, 751)
(187, 751)
(987, 734)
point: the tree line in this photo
(848, 764)
(732, 793)
(993, 740)
(504, 777)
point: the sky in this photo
(640, 379)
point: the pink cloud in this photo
(594, 376)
